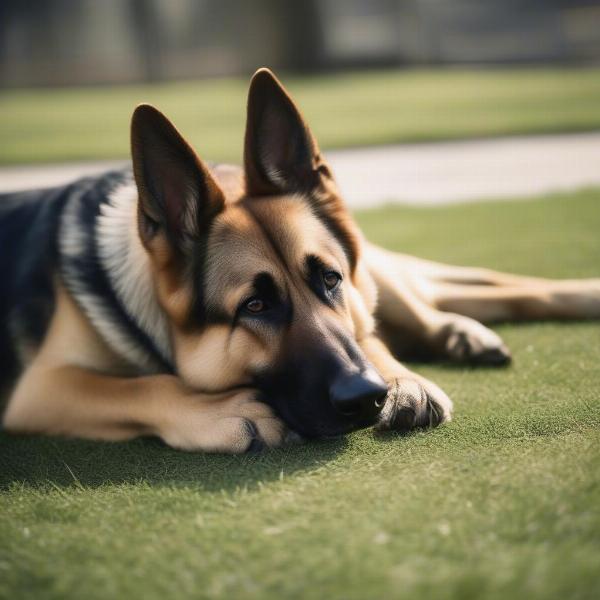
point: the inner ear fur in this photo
(177, 194)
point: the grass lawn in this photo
(504, 502)
(345, 110)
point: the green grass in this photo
(501, 503)
(345, 110)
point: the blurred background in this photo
(419, 102)
(365, 72)
(68, 42)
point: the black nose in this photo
(358, 394)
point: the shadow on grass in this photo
(41, 462)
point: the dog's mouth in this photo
(334, 432)
(326, 408)
(292, 437)
(324, 429)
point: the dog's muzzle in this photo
(358, 396)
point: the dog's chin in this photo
(315, 424)
(292, 437)
(322, 430)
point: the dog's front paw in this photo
(237, 424)
(413, 402)
(468, 341)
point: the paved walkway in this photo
(432, 173)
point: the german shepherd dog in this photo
(225, 309)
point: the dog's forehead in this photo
(237, 249)
(292, 227)
(275, 233)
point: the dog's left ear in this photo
(280, 153)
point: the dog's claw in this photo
(474, 344)
(256, 445)
(493, 357)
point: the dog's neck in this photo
(104, 266)
(126, 264)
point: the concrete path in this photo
(449, 172)
(421, 174)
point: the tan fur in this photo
(218, 360)
(442, 306)
(74, 387)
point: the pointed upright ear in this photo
(176, 191)
(281, 156)
(280, 153)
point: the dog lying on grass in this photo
(221, 308)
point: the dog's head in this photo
(261, 281)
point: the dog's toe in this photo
(492, 357)
(414, 403)
(472, 343)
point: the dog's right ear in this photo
(176, 191)
(280, 153)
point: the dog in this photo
(226, 309)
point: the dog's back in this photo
(28, 225)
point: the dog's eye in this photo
(255, 305)
(331, 279)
